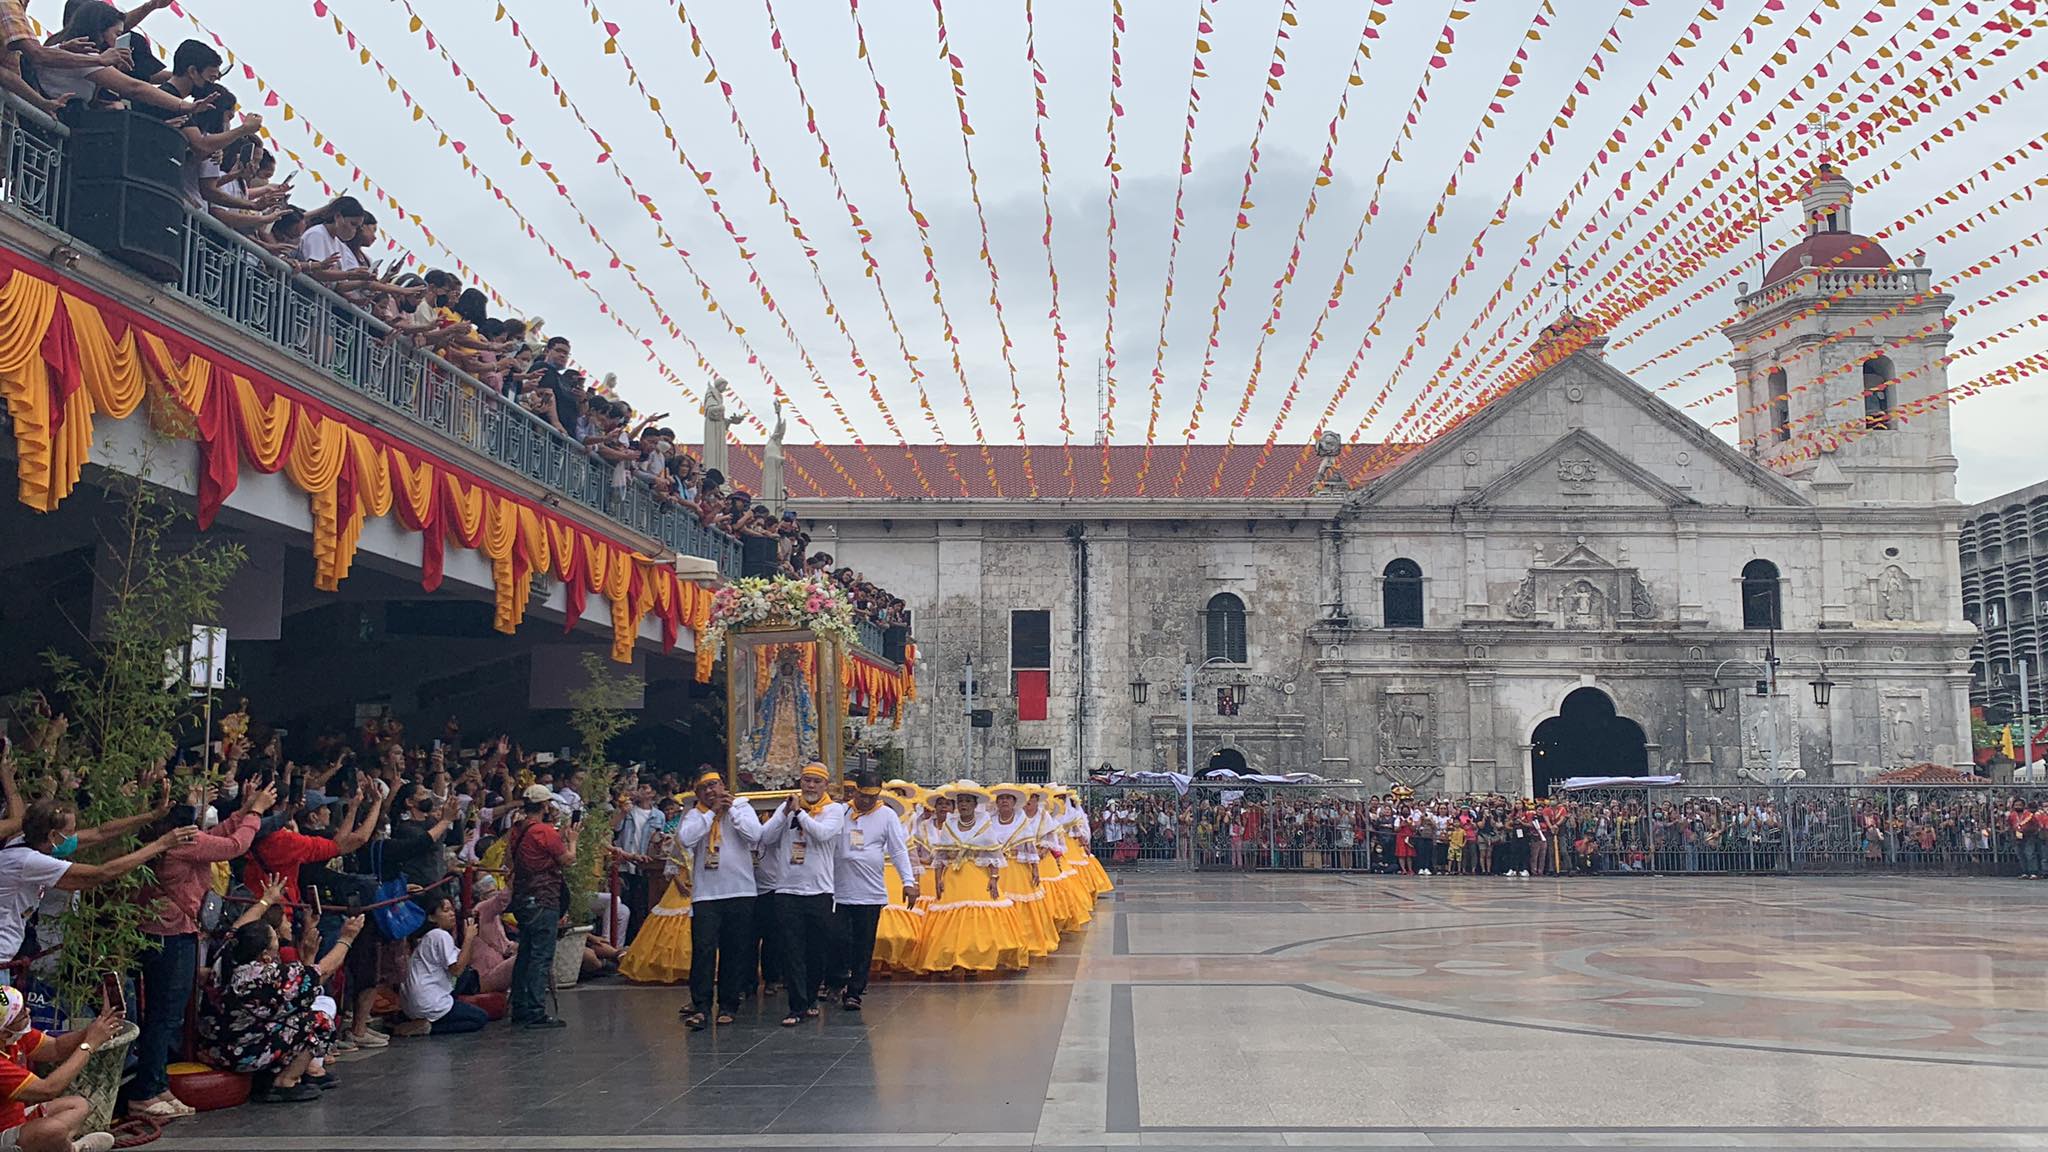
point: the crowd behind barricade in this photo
(1946, 829)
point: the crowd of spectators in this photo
(1252, 829)
(255, 907)
(97, 60)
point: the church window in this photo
(1401, 594)
(1781, 406)
(1034, 766)
(1877, 393)
(1030, 647)
(1223, 628)
(1760, 595)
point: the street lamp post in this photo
(1188, 670)
(1823, 692)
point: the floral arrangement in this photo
(814, 603)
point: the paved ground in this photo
(1311, 1012)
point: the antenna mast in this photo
(1101, 428)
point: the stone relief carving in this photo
(1407, 728)
(1894, 593)
(1577, 472)
(1522, 604)
(1582, 606)
(1639, 601)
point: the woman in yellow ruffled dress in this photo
(1018, 879)
(925, 823)
(1078, 838)
(1070, 899)
(971, 925)
(901, 927)
(660, 954)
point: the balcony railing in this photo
(260, 294)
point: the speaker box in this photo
(757, 556)
(122, 145)
(134, 223)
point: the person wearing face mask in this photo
(38, 860)
(37, 1114)
(170, 969)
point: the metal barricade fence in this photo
(1955, 829)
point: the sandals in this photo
(791, 1021)
(811, 1013)
(724, 1018)
(693, 1020)
(850, 1003)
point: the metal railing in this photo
(1750, 829)
(256, 292)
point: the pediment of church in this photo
(1580, 435)
(1579, 470)
(1581, 590)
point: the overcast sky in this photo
(293, 48)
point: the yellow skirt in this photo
(660, 954)
(1089, 867)
(966, 929)
(1033, 915)
(900, 928)
(1070, 897)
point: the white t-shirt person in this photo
(26, 876)
(429, 990)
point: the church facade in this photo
(1578, 579)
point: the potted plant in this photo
(598, 713)
(119, 724)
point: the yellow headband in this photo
(816, 771)
(869, 791)
(710, 776)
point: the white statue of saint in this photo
(772, 489)
(715, 424)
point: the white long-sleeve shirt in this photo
(811, 876)
(1019, 837)
(739, 831)
(977, 841)
(866, 843)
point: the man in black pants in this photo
(801, 837)
(872, 837)
(720, 837)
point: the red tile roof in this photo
(810, 471)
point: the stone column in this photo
(1336, 743)
(1834, 595)
(1476, 606)
(1481, 753)
(1330, 538)
(1690, 606)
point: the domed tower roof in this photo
(1829, 241)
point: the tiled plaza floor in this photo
(1324, 1011)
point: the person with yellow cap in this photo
(720, 837)
(971, 925)
(870, 847)
(1018, 879)
(801, 837)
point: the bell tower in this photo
(1830, 349)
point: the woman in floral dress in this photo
(271, 1018)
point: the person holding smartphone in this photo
(38, 1113)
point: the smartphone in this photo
(113, 994)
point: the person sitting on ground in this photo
(437, 973)
(270, 1018)
(37, 1114)
(495, 953)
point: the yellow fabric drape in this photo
(26, 303)
(468, 507)
(414, 484)
(264, 425)
(501, 532)
(112, 369)
(319, 451)
(189, 382)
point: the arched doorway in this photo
(1586, 738)
(1229, 758)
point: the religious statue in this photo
(782, 733)
(715, 424)
(1891, 592)
(1905, 736)
(772, 491)
(1329, 477)
(1582, 606)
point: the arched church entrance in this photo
(1229, 758)
(1586, 738)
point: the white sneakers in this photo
(170, 1109)
(93, 1142)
